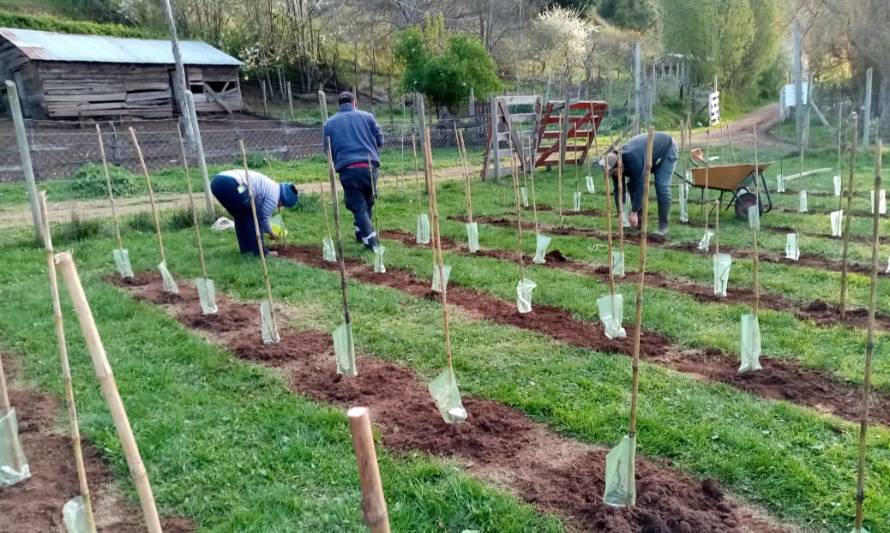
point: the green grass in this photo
(797, 463)
(225, 442)
(211, 430)
(172, 180)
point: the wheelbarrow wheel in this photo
(744, 201)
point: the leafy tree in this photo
(446, 76)
(637, 15)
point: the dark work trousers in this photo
(358, 192)
(225, 189)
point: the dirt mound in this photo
(780, 379)
(35, 505)
(498, 442)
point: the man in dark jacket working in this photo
(633, 158)
(354, 138)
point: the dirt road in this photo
(20, 215)
(742, 130)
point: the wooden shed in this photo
(71, 76)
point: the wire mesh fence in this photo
(59, 150)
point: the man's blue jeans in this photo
(359, 188)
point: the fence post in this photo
(290, 100)
(322, 104)
(866, 110)
(21, 137)
(265, 102)
(199, 149)
(472, 104)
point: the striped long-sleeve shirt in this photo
(266, 194)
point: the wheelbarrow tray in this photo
(725, 177)
(737, 179)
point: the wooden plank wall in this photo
(80, 90)
(15, 66)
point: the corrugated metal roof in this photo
(50, 46)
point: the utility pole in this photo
(199, 153)
(322, 104)
(798, 86)
(866, 109)
(179, 87)
(638, 52)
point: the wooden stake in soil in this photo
(608, 189)
(324, 211)
(462, 154)
(635, 362)
(621, 207)
(532, 178)
(374, 509)
(854, 136)
(117, 228)
(437, 240)
(73, 427)
(151, 195)
(869, 346)
(519, 259)
(259, 241)
(707, 192)
(109, 390)
(416, 171)
(562, 158)
(344, 289)
(755, 269)
(5, 407)
(188, 182)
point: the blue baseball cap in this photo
(289, 195)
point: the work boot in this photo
(664, 212)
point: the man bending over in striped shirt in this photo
(230, 189)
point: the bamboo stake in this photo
(755, 270)
(109, 390)
(73, 427)
(842, 139)
(635, 363)
(620, 163)
(401, 162)
(731, 145)
(416, 171)
(519, 259)
(188, 182)
(466, 166)
(608, 188)
(437, 252)
(376, 192)
(869, 346)
(532, 177)
(324, 210)
(854, 120)
(707, 191)
(117, 228)
(256, 228)
(4, 394)
(562, 157)
(374, 509)
(344, 289)
(151, 195)
(717, 225)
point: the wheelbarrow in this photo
(739, 181)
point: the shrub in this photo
(63, 25)
(77, 230)
(255, 160)
(180, 219)
(141, 221)
(89, 181)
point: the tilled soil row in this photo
(35, 505)
(497, 443)
(781, 379)
(819, 312)
(808, 261)
(781, 230)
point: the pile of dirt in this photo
(781, 379)
(497, 443)
(35, 505)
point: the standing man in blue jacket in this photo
(355, 139)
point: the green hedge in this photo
(63, 25)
